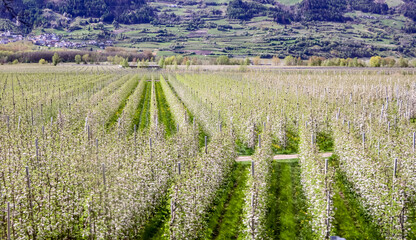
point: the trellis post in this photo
(252, 168)
(259, 141)
(206, 146)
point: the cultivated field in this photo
(98, 152)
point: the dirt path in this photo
(281, 157)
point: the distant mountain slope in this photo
(303, 28)
(306, 10)
(390, 3)
(138, 11)
(123, 11)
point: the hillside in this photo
(334, 28)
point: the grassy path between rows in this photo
(155, 228)
(164, 114)
(226, 220)
(287, 213)
(287, 217)
(142, 115)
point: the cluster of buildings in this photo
(52, 40)
(8, 37)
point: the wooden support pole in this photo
(259, 141)
(206, 146)
(363, 138)
(96, 145)
(252, 168)
(326, 166)
(135, 140)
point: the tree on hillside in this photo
(237, 9)
(323, 10)
(15, 9)
(116, 24)
(280, 15)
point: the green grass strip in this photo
(145, 115)
(351, 219)
(142, 116)
(164, 114)
(227, 215)
(282, 212)
(139, 110)
(287, 216)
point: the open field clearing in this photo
(99, 152)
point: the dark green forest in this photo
(123, 11)
(138, 11)
(308, 10)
